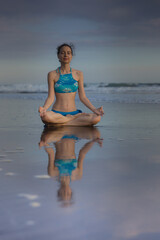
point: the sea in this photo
(98, 92)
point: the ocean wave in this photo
(23, 88)
(124, 87)
(91, 87)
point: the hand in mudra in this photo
(42, 111)
(99, 111)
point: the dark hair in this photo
(71, 46)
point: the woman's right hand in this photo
(41, 110)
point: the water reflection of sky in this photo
(116, 197)
(118, 193)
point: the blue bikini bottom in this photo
(70, 137)
(66, 113)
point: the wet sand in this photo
(115, 197)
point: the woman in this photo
(63, 83)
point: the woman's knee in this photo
(45, 119)
(91, 118)
(48, 118)
(96, 119)
(51, 117)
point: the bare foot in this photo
(70, 117)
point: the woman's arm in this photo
(51, 93)
(83, 152)
(51, 167)
(84, 99)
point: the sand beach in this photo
(115, 195)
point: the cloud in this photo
(33, 26)
(155, 22)
(98, 10)
(119, 13)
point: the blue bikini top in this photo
(66, 83)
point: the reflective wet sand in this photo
(80, 183)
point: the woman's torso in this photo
(66, 86)
(65, 149)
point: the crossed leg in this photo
(81, 119)
(84, 119)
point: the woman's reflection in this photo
(62, 162)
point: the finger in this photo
(41, 114)
(102, 111)
(102, 108)
(40, 109)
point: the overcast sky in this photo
(115, 40)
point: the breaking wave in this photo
(98, 87)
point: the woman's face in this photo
(65, 55)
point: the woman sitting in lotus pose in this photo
(64, 83)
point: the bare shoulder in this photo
(77, 73)
(53, 75)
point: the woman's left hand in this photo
(99, 111)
